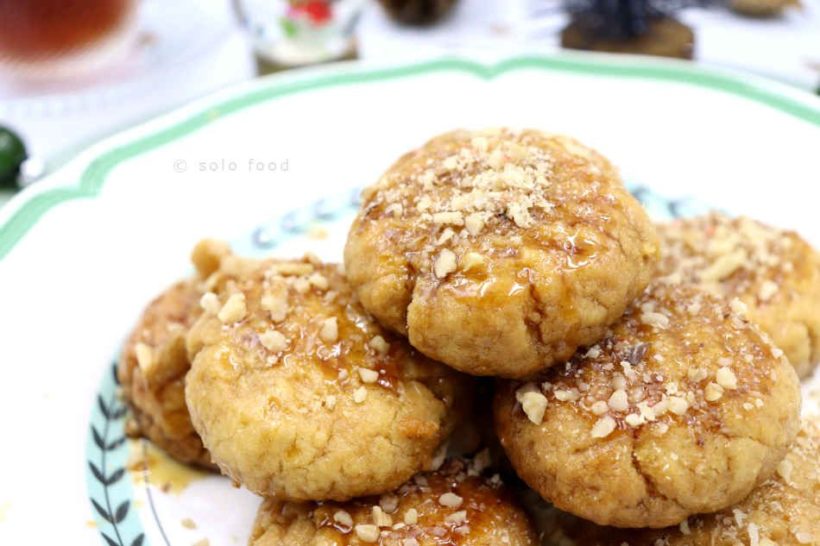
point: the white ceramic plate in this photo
(84, 250)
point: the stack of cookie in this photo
(637, 385)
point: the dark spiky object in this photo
(417, 12)
(614, 19)
(629, 26)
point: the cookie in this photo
(454, 505)
(299, 394)
(500, 252)
(154, 362)
(683, 408)
(783, 510)
(774, 272)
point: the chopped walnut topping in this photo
(450, 500)
(724, 266)
(474, 223)
(292, 269)
(618, 401)
(472, 260)
(378, 344)
(329, 331)
(457, 517)
(360, 395)
(411, 516)
(343, 518)
(784, 469)
(713, 392)
(276, 305)
(209, 303)
(273, 341)
(380, 518)
(654, 319)
(301, 285)
(449, 217)
(445, 264)
(234, 309)
(534, 405)
(368, 376)
(738, 307)
(319, 281)
(767, 290)
(395, 209)
(726, 378)
(389, 503)
(634, 420)
(603, 427)
(678, 405)
(599, 407)
(145, 356)
(330, 401)
(367, 533)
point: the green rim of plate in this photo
(96, 173)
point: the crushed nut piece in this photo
(457, 517)
(378, 344)
(726, 378)
(411, 517)
(534, 405)
(329, 331)
(603, 427)
(445, 264)
(367, 533)
(343, 518)
(360, 395)
(273, 341)
(619, 401)
(713, 392)
(209, 303)
(276, 305)
(380, 518)
(450, 500)
(368, 376)
(319, 281)
(234, 309)
(145, 356)
(678, 405)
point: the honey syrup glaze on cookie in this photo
(499, 252)
(455, 505)
(684, 407)
(330, 405)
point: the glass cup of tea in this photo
(289, 33)
(53, 39)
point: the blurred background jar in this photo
(289, 33)
(64, 38)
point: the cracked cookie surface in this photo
(154, 362)
(299, 394)
(453, 505)
(500, 252)
(783, 510)
(684, 407)
(774, 272)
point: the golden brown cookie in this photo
(500, 252)
(298, 393)
(454, 505)
(774, 272)
(684, 407)
(785, 510)
(154, 362)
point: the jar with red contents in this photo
(286, 33)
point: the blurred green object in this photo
(12, 155)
